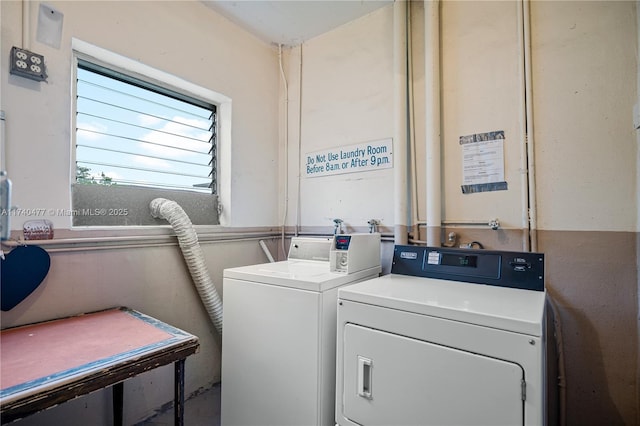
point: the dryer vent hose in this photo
(188, 241)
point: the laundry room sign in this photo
(350, 159)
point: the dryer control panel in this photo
(354, 252)
(522, 270)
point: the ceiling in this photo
(292, 22)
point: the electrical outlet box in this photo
(27, 64)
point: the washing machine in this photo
(279, 338)
(449, 337)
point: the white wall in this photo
(481, 92)
(186, 39)
(584, 61)
(585, 67)
(347, 99)
(341, 93)
(152, 279)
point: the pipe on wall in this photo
(531, 211)
(524, 180)
(69, 245)
(298, 193)
(432, 120)
(400, 178)
(266, 251)
(411, 134)
(285, 131)
(638, 206)
(638, 152)
(26, 25)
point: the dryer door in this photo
(394, 380)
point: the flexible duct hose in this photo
(188, 241)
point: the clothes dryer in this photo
(278, 343)
(450, 337)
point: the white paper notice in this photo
(483, 162)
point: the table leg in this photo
(118, 391)
(179, 393)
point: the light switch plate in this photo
(27, 64)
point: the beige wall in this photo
(185, 39)
(481, 92)
(593, 281)
(584, 70)
(341, 91)
(346, 98)
(152, 279)
(584, 88)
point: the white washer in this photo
(278, 343)
(423, 346)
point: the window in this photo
(129, 132)
(137, 139)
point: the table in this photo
(47, 363)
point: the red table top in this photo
(33, 355)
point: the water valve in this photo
(337, 226)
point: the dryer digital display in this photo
(459, 260)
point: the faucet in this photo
(337, 226)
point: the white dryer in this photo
(450, 337)
(278, 343)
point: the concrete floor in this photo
(201, 410)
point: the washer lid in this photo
(520, 311)
(303, 274)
